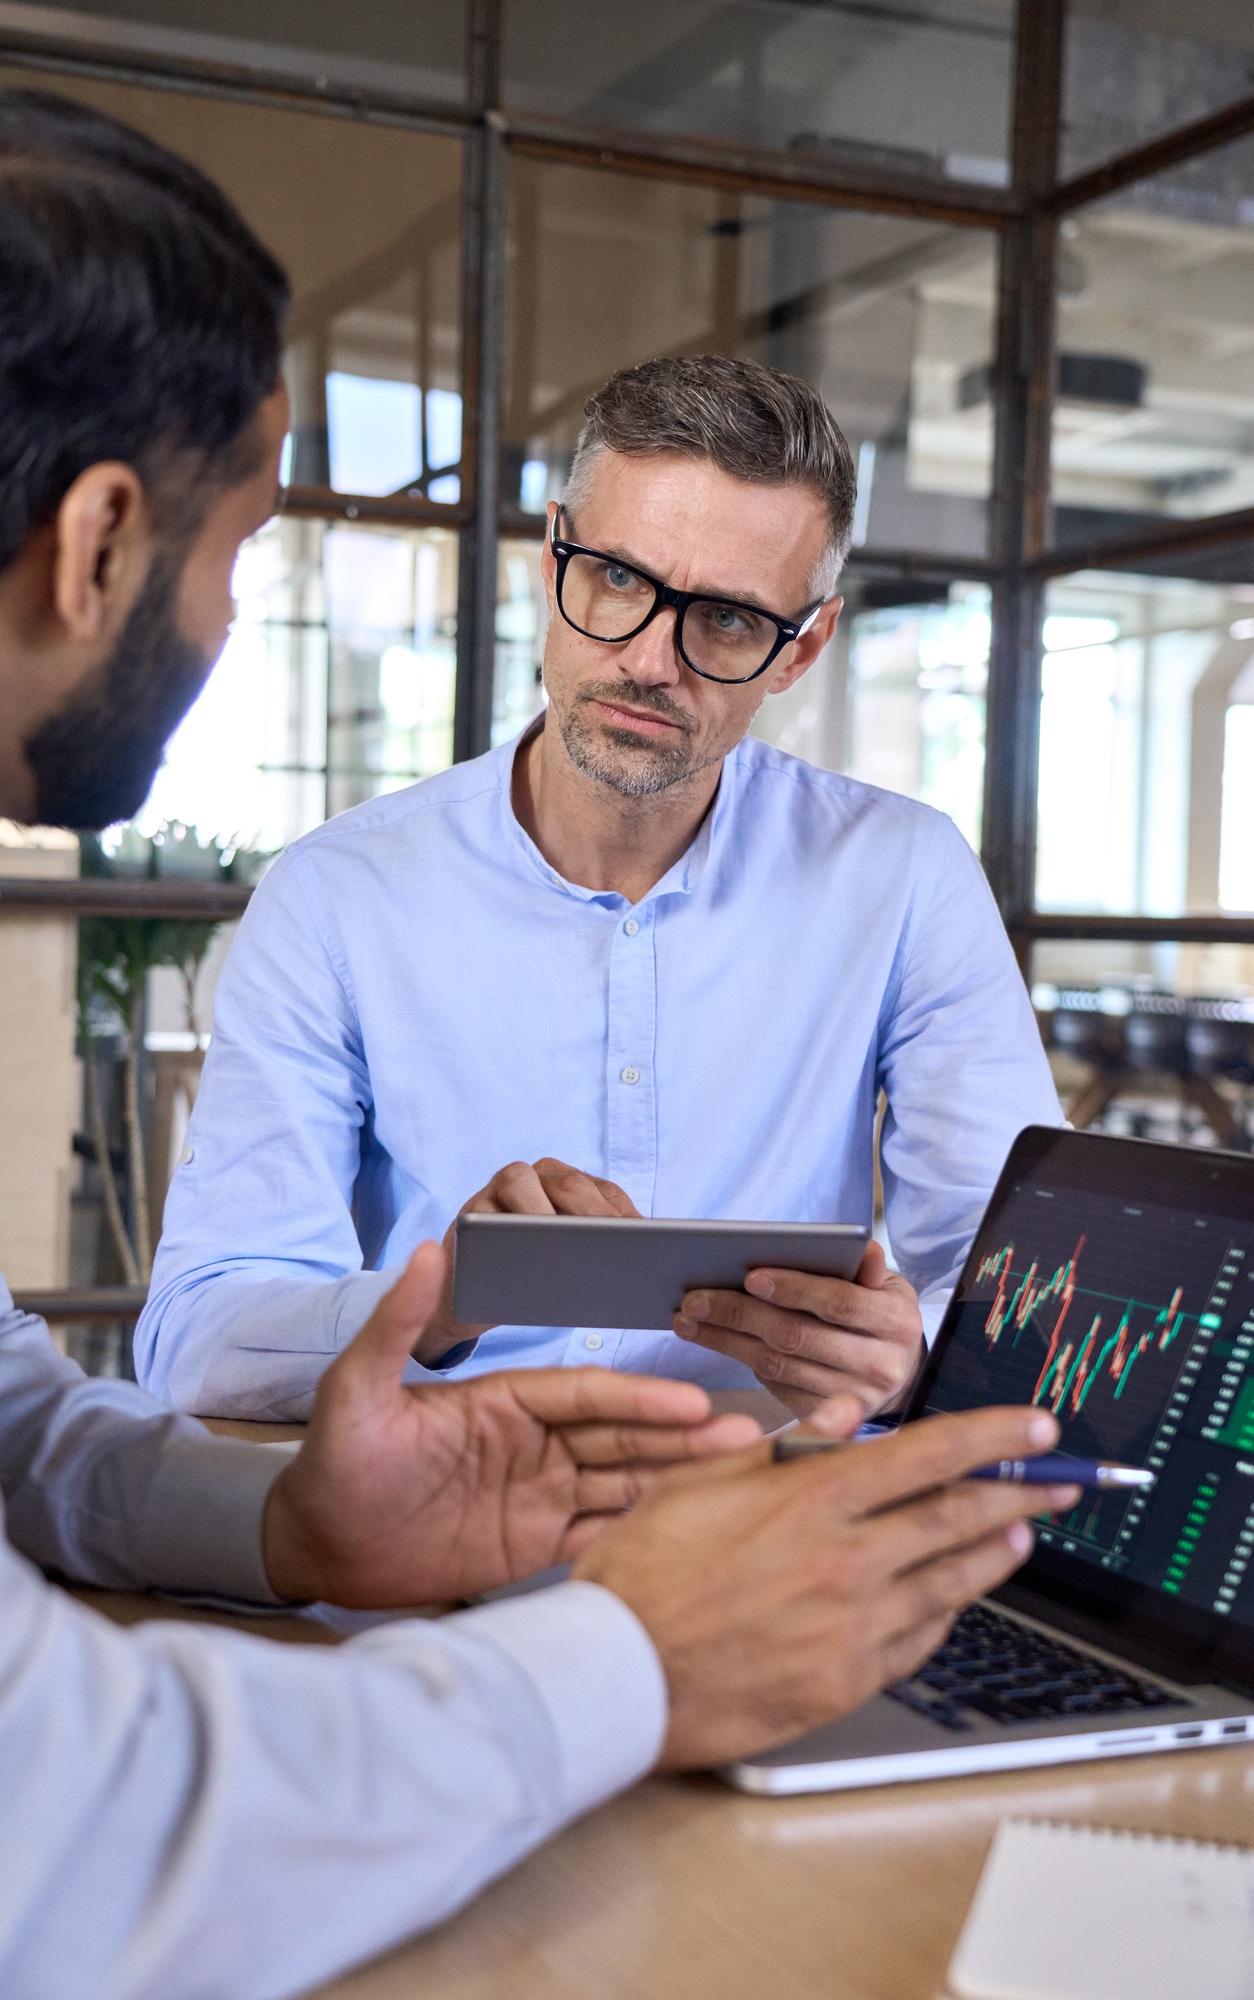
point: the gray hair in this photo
(751, 421)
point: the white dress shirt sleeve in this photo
(196, 1812)
(103, 1485)
(202, 1813)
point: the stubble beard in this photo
(631, 765)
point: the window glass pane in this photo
(925, 88)
(389, 45)
(1147, 754)
(1151, 1041)
(897, 699)
(1138, 68)
(915, 703)
(1155, 410)
(365, 218)
(894, 318)
(522, 623)
(336, 684)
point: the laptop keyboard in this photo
(992, 1669)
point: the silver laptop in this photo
(1111, 1281)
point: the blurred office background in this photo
(1013, 245)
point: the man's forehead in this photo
(678, 514)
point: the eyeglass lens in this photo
(608, 600)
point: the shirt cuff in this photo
(202, 1517)
(932, 1312)
(592, 1669)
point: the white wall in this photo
(38, 1071)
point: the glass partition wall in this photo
(1013, 243)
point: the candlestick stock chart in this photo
(1133, 1323)
(1077, 1359)
(1051, 1317)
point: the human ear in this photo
(803, 652)
(548, 561)
(103, 550)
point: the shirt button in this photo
(186, 1157)
(630, 1075)
(592, 1341)
(631, 927)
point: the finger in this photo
(603, 1395)
(658, 1444)
(889, 1313)
(883, 1363)
(791, 1371)
(954, 1517)
(905, 1654)
(953, 1581)
(611, 1489)
(873, 1271)
(515, 1190)
(378, 1353)
(573, 1192)
(884, 1472)
(838, 1417)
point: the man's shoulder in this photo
(416, 810)
(830, 798)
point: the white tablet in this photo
(576, 1270)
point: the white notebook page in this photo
(1083, 1913)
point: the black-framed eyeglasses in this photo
(718, 637)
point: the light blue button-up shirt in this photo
(416, 997)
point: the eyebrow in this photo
(749, 597)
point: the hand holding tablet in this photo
(578, 1270)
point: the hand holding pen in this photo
(1052, 1468)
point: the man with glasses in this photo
(669, 966)
(190, 1811)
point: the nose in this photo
(652, 658)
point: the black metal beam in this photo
(1235, 121)
(117, 1302)
(86, 55)
(1034, 925)
(1166, 538)
(782, 174)
(322, 503)
(91, 896)
(483, 342)
(1018, 513)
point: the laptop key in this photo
(993, 1670)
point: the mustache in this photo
(655, 699)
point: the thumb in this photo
(379, 1352)
(873, 1270)
(838, 1417)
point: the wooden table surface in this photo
(684, 1890)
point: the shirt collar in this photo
(679, 880)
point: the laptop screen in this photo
(1112, 1282)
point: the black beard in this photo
(95, 759)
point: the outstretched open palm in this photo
(406, 1496)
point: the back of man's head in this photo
(140, 318)
(753, 422)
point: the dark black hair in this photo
(140, 318)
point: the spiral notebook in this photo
(1082, 1913)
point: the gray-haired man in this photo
(637, 942)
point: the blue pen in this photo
(1052, 1468)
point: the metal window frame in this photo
(1024, 217)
